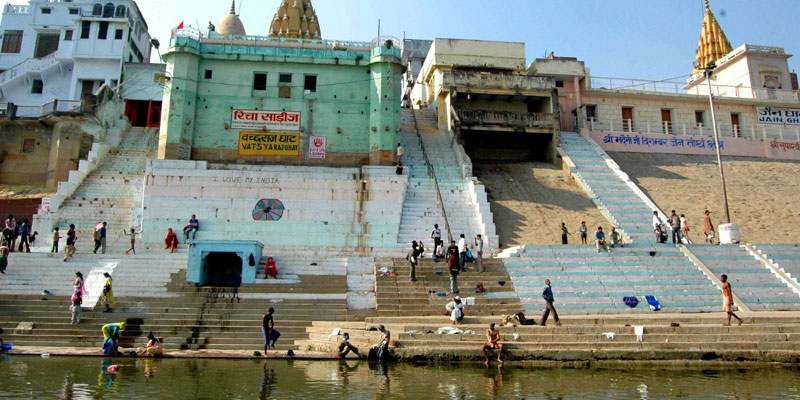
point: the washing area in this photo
(223, 263)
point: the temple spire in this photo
(295, 19)
(713, 42)
(233, 6)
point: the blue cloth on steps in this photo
(654, 305)
(630, 301)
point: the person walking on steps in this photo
(547, 295)
(462, 253)
(72, 236)
(584, 230)
(684, 227)
(12, 229)
(413, 259)
(107, 296)
(400, 151)
(453, 267)
(675, 224)
(479, 252)
(24, 230)
(3, 259)
(436, 235)
(727, 300)
(132, 235)
(708, 227)
(268, 330)
(657, 222)
(100, 237)
(564, 233)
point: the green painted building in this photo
(230, 97)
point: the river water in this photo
(26, 377)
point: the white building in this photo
(53, 52)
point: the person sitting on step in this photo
(171, 240)
(193, 227)
(345, 347)
(270, 269)
(456, 310)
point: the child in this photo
(56, 237)
(584, 231)
(132, 234)
(564, 233)
(77, 300)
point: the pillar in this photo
(384, 99)
(180, 95)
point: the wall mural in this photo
(268, 210)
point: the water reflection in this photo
(82, 378)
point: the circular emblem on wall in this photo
(268, 210)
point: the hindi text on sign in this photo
(270, 120)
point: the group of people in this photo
(171, 239)
(13, 231)
(600, 239)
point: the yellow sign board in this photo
(269, 144)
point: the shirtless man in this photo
(727, 300)
(493, 337)
(386, 336)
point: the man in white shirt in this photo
(400, 151)
(657, 226)
(462, 253)
(436, 235)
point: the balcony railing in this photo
(759, 131)
(483, 80)
(7, 110)
(16, 9)
(29, 65)
(677, 87)
(505, 118)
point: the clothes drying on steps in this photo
(654, 305)
(630, 301)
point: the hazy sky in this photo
(649, 39)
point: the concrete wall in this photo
(139, 81)
(57, 150)
(329, 207)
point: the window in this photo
(210, 73)
(120, 13)
(102, 33)
(97, 10)
(591, 112)
(559, 83)
(118, 34)
(310, 84)
(74, 11)
(28, 145)
(108, 11)
(260, 81)
(46, 44)
(37, 87)
(86, 27)
(700, 117)
(285, 92)
(285, 78)
(12, 42)
(47, 10)
(68, 35)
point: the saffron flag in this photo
(181, 25)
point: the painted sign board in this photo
(265, 120)
(782, 116)
(316, 146)
(269, 144)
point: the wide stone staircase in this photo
(609, 188)
(587, 282)
(784, 256)
(421, 210)
(398, 296)
(606, 338)
(752, 281)
(151, 294)
(107, 194)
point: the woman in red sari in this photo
(171, 240)
(271, 269)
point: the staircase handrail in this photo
(432, 174)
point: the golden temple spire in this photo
(295, 19)
(713, 42)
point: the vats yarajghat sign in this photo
(269, 120)
(269, 144)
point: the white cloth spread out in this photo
(449, 330)
(334, 333)
(470, 301)
(639, 331)
(610, 335)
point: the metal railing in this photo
(432, 174)
(677, 87)
(505, 118)
(760, 131)
(29, 65)
(10, 110)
